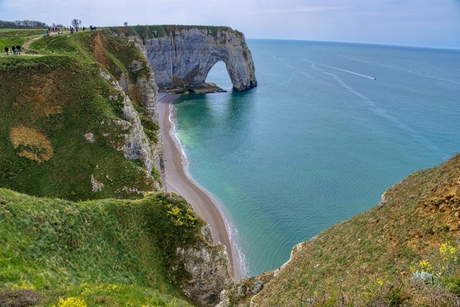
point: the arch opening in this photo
(218, 75)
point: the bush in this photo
(19, 298)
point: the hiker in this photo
(14, 49)
(6, 50)
(18, 49)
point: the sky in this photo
(429, 23)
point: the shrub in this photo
(19, 297)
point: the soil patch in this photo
(31, 143)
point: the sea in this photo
(329, 128)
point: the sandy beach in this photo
(179, 182)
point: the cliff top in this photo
(154, 31)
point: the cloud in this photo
(302, 10)
(421, 22)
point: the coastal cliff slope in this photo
(104, 252)
(402, 252)
(80, 123)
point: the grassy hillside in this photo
(105, 252)
(14, 37)
(52, 101)
(60, 131)
(403, 252)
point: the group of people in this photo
(15, 49)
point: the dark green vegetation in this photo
(22, 24)
(403, 252)
(149, 31)
(50, 101)
(106, 252)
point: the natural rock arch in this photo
(183, 57)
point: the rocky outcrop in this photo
(246, 291)
(137, 145)
(208, 267)
(210, 271)
(241, 294)
(183, 58)
(147, 94)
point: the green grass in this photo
(62, 95)
(112, 251)
(10, 37)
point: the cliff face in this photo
(137, 145)
(184, 56)
(207, 264)
(82, 124)
(135, 82)
(208, 268)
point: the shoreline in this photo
(178, 181)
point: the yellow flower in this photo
(71, 302)
(24, 285)
(447, 249)
(425, 266)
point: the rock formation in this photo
(209, 269)
(183, 57)
(137, 145)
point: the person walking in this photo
(7, 50)
(14, 49)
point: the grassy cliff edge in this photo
(402, 252)
(106, 252)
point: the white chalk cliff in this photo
(183, 57)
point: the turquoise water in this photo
(319, 140)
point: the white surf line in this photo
(348, 71)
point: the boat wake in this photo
(382, 113)
(347, 71)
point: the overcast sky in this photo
(433, 23)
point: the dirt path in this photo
(30, 41)
(27, 44)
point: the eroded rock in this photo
(183, 58)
